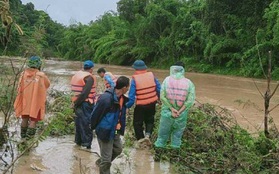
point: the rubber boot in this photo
(104, 167)
(30, 133)
(98, 162)
(23, 131)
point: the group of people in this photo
(106, 113)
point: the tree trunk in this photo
(267, 97)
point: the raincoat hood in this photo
(177, 72)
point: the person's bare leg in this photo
(24, 122)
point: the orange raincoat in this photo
(31, 96)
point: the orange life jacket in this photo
(77, 84)
(177, 90)
(113, 77)
(145, 88)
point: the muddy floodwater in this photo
(60, 155)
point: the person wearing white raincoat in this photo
(177, 96)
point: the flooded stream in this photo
(60, 155)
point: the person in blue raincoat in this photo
(177, 97)
(109, 120)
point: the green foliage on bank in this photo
(209, 36)
(220, 36)
(61, 121)
(214, 143)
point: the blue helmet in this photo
(88, 64)
(139, 65)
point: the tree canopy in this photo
(230, 36)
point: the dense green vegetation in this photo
(40, 36)
(214, 143)
(221, 36)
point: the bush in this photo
(61, 121)
(214, 143)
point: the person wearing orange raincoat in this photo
(31, 97)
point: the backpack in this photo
(96, 118)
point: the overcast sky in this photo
(84, 11)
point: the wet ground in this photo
(60, 155)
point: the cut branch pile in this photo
(213, 142)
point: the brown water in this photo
(61, 156)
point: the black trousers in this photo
(84, 134)
(144, 117)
